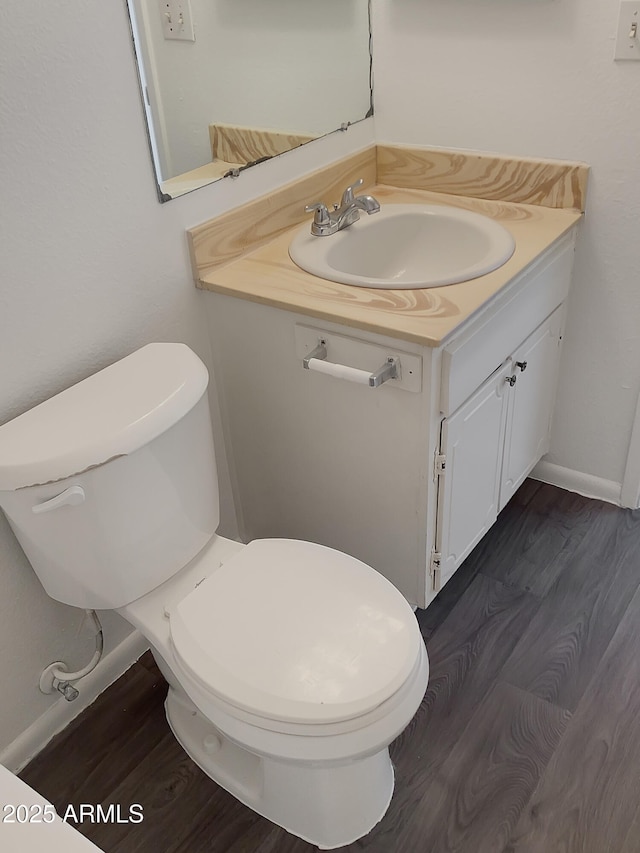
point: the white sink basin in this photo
(406, 246)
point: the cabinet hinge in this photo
(436, 557)
(440, 464)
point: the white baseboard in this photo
(56, 718)
(575, 481)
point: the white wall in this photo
(283, 65)
(536, 78)
(91, 267)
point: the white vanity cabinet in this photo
(490, 444)
(408, 476)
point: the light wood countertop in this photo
(428, 317)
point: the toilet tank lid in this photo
(109, 414)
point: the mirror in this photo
(227, 84)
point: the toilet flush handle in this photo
(70, 497)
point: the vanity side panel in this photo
(319, 458)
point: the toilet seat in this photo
(296, 632)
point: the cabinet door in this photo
(531, 403)
(472, 443)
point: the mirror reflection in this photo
(227, 84)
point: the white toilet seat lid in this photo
(297, 632)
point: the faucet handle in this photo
(347, 195)
(320, 211)
(322, 222)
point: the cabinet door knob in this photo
(511, 379)
(522, 365)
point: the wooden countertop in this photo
(428, 317)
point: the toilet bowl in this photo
(291, 666)
(299, 753)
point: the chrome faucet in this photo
(327, 222)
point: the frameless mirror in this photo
(227, 84)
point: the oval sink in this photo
(406, 246)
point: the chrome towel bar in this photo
(317, 360)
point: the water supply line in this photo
(57, 676)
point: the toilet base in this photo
(329, 805)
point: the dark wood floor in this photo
(527, 741)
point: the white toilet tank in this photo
(111, 486)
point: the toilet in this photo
(291, 666)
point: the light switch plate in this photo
(628, 37)
(177, 21)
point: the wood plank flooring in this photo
(527, 741)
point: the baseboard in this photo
(56, 718)
(576, 481)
